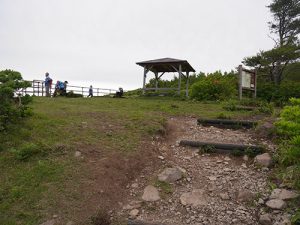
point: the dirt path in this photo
(230, 189)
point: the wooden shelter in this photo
(166, 65)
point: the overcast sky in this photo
(99, 41)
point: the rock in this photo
(283, 194)
(261, 201)
(245, 196)
(212, 178)
(224, 196)
(150, 194)
(263, 160)
(77, 154)
(135, 185)
(246, 158)
(195, 198)
(134, 213)
(161, 157)
(227, 158)
(276, 204)
(265, 219)
(49, 222)
(170, 175)
(133, 205)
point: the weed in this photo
(207, 149)
(223, 116)
(164, 186)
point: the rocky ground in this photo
(193, 187)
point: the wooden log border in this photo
(230, 148)
(227, 123)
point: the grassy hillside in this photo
(40, 176)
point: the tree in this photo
(286, 22)
(11, 108)
(286, 26)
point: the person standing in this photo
(90, 91)
(48, 84)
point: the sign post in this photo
(247, 81)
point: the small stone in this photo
(170, 175)
(161, 157)
(227, 158)
(150, 194)
(134, 213)
(135, 185)
(133, 205)
(246, 158)
(224, 196)
(265, 219)
(245, 196)
(283, 194)
(261, 201)
(244, 165)
(77, 154)
(263, 160)
(212, 178)
(195, 198)
(276, 204)
(55, 216)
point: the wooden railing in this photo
(38, 89)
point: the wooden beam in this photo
(240, 82)
(161, 75)
(179, 80)
(177, 70)
(187, 84)
(156, 81)
(144, 80)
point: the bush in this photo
(289, 154)
(215, 87)
(280, 94)
(12, 108)
(26, 151)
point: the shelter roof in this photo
(166, 65)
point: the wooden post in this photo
(156, 81)
(187, 84)
(255, 84)
(240, 82)
(144, 81)
(38, 88)
(97, 91)
(179, 79)
(43, 89)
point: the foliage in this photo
(280, 94)
(286, 22)
(260, 105)
(12, 108)
(289, 155)
(215, 86)
(286, 26)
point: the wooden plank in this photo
(227, 147)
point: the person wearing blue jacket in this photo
(48, 84)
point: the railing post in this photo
(42, 89)
(82, 91)
(97, 91)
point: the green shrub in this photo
(26, 151)
(289, 154)
(12, 107)
(214, 87)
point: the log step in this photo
(227, 123)
(220, 147)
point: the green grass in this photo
(36, 156)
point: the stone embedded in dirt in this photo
(135, 185)
(195, 198)
(245, 196)
(276, 204)
(77, 154)
(133, 205)
(283, 194)
(212, 178)
(246, 158)
(263, 160)
(49, 222)
(227, 158)
(170, 175)
(224, 196)
(150, 194)
(134, 213)
(161, 157)
(70, 223)
(265, 219)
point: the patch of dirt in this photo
(221, 177)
